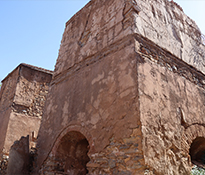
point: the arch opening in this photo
(71, 154)
(197, 152)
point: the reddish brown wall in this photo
(23, 95)
(93, 28)
(100, 101)
(7, 93)
(172, 96)
(127, 89)
(94, 87)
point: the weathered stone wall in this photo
(22, 97)
(7, 93)
(119, 157)
(165, 23)
(171, 95)
(31, 92)
(92, 29)
(30, 87)
(91, 86)
(161, 21)
(125, 78)
(102, 104)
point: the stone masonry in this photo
(22, 97)
(127, 94)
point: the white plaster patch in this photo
(124, 65)
(65, 113)
(125, 80)
(96, 103)
(98, 78)
(108, 79)
(94, 119)
(81, 115)
(104, 114)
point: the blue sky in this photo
(31, 30)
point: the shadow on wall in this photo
(197, 152)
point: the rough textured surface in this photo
(95, 27)
(171, 106)
(6, 95)
(127, 96)
(70, 156)
(161, 21)
(102, 107)
(165, 23)
(126, 78)
(22, 97)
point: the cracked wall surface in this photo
(171, 110)
(23, 95)
(6, 95)
(101, 101)
(95, 27)
(165, 23)
(129, 78)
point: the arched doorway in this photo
(71, 154)
(197, 152)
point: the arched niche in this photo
(197, 151)
(71, 154)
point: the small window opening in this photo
(71, 155)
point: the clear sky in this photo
(31, 30)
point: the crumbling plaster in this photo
(165, 23)
(105, 105)
(166, 101)
(130, 75)
(23, 94)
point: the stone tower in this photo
(22, 99)
(127, 94)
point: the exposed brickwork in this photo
(8, 91)
(123, 157)
(35, 107)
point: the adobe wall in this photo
(95, 27)
(125, 80)
(165, 23)
(7, 93)
(23, 96)
(99, 101)
(171, 95)
(94, 92)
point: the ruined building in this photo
(22, 97)
(127, 94)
